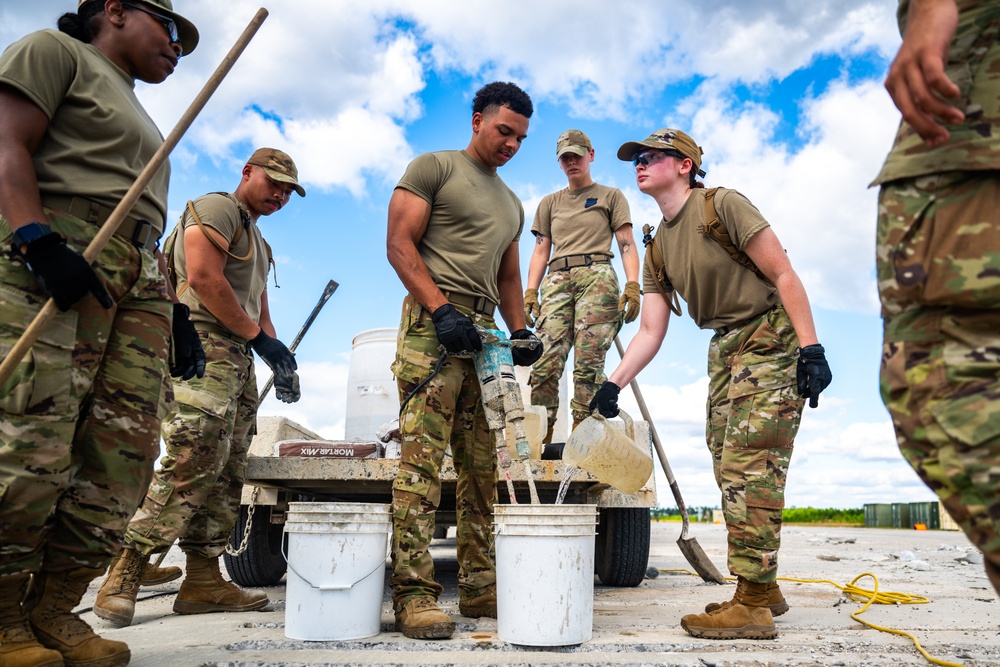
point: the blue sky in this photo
(785, 97)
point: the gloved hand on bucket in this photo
(605, 401)
(455, 331)
(525, 356)
(813, 373)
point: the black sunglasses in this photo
(168, 23)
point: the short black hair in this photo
(502, 94)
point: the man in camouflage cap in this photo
(579, 305)
(938, 261)
(219, 263)
(760, 314)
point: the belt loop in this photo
(93, 211)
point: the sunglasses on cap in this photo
(649, 157)
(168, 23)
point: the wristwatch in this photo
(25, 234)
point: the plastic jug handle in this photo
(629, 426)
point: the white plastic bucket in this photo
(545, 573)
(372, 396)
(336, 569)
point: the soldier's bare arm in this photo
(408, 219)
(205, 272)
(630, 254)
(917, 81)
(766, 252)
(539, 259)
(24, 124)
(509, 284)
(653, 321)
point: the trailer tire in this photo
(622, 549)
(262, 564)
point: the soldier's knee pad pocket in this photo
(971, 420)
(41, 383)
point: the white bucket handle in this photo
(335, 587)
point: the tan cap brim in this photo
(284, 178)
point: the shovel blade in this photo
(699, 560)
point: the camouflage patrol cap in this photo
(665, 139)
(572, 141)
(278, 165)
(187, 32)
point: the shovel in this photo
(689, 546)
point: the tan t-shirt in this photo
(99, 137)
(474, 219)
(248, 278)
(581, 222)
(719, 292)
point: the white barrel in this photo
(545, 573)
(372, 397)
(336, 569)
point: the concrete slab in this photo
(640, 626)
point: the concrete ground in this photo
(640, 626)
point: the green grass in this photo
(827, 516)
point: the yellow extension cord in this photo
(873, 597)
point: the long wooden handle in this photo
(124, 207)
(660, 453)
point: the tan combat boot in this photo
(484, 604)
(775, 601)
(204, 591)
(18, 646)
(747, 616)
(421, 618)
(115, 601)
(57, 627)
(152, 575)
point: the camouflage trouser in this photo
(939, 281)
(80, 417)
(579, 309)
(445, 410)
(754, 411)
(195, 493)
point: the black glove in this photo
(456, 331)
(813, 373)
(274, 353)
(525, 356)
(286, 387)
(188, 358)
(605, 400)
(63, 272)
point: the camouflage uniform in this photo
(754, 411)
(446, 411)
(938, 260)
(195, 493)
(579, 309)
(80, 417)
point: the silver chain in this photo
(246, 529)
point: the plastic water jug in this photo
(610, 455)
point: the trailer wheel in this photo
(262, 564)
(622, 549)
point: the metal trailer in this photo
(623, 533)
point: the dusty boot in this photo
(204, 591)
(18, 646)
(152, 575)
(775, 601)
(115, 601)
(484, 604)
(57, 627)
(421, 618)
(747, 616)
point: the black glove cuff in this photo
(44, 243)
(520, 334)
(259, 338)
(181, 309)
(812, 352)
(442, 312)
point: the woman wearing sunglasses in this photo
(760, 313)
(80, 416)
